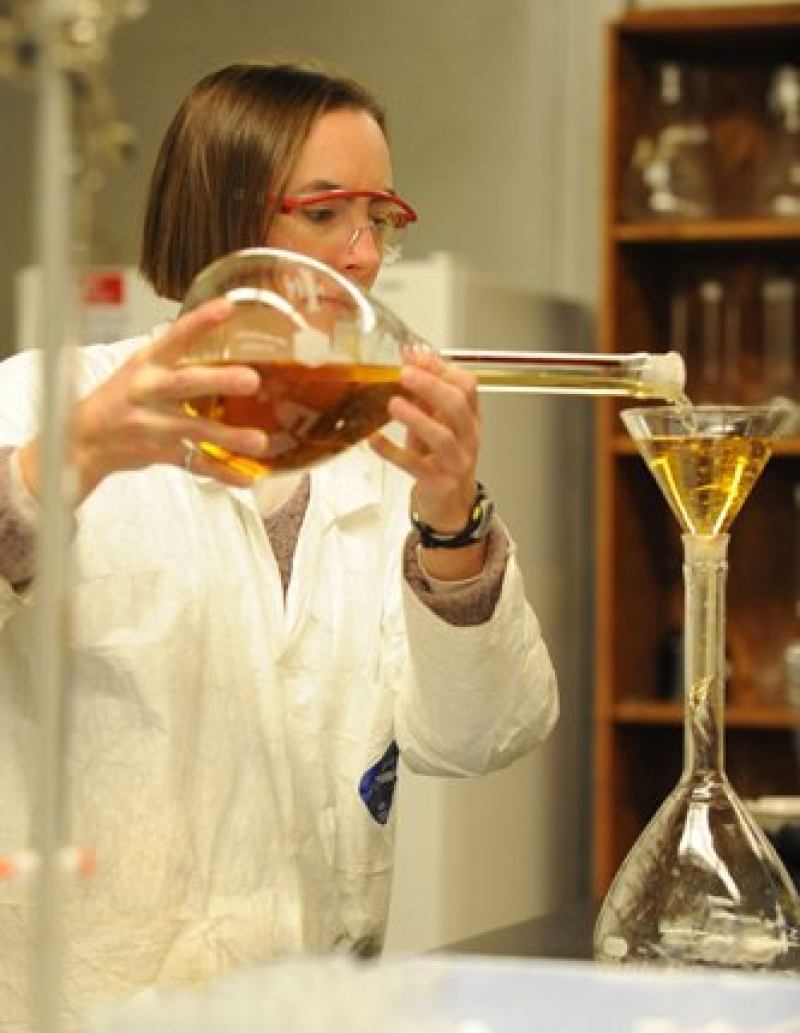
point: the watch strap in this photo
(475, 529)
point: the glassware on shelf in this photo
(721, 324)
(669, 172)
(330, 358)
(779, 333)
(778, 189)
(731, 387)
(711, 331)
(791, 654)
(679, 316)
(702, 885)
(717, 335)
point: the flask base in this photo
(702, 886)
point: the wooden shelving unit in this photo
(638, 733)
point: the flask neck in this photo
(705, 572)
(628, 375)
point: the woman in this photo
(248, 664)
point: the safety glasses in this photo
(335, 218)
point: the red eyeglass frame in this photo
(288, 205)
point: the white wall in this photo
(479, 853)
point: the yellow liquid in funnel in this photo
(705, 479)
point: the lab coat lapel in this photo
(339, 489)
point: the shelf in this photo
(689, 23)
(652, 297)
(644, 712)
(707, 231)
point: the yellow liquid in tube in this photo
(639, 375)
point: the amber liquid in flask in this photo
(309, 413)
(702, 885)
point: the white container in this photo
(441, 994)
(581, 997)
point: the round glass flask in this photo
(329, 359)
(702, 885)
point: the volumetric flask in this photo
(702, 885)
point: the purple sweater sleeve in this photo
(19, 515)
(474, 602)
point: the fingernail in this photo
(255, 442)
(220, 308)
(246, 380)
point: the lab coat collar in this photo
(351, 482)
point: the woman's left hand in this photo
(439, 409)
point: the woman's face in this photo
(345, 149)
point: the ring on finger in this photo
(190, 450)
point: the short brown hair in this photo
(227, 154)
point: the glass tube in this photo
(632, 375)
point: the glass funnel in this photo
(702, 885)
(330, 358)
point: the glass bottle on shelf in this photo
(682, 304)
(711, 332)
(779, 333)
(792, 651)
(778, 191)
(731, 360)
(669, 173)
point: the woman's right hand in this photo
(136, 418)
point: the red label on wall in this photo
(104, 288)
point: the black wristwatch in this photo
(475, 529)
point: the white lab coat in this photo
(219, 734)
